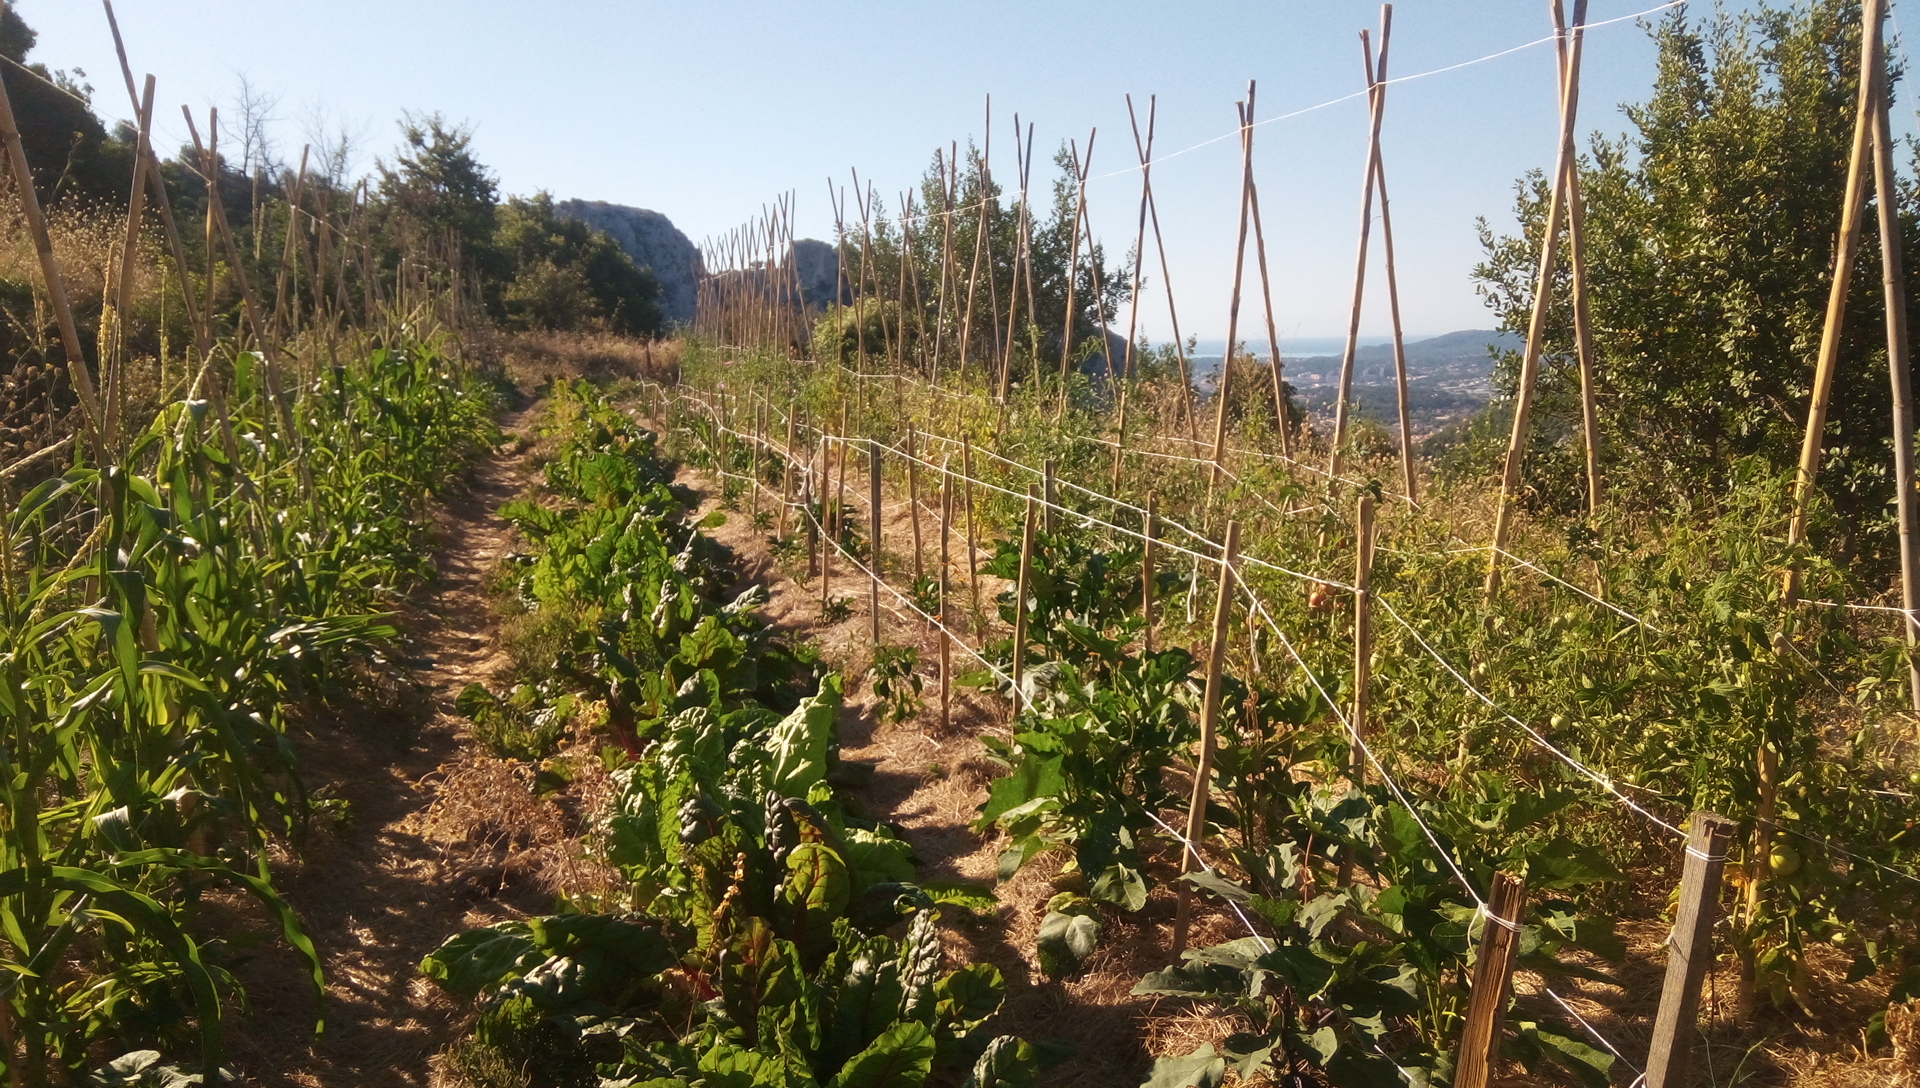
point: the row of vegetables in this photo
(767, 933)
(159, 614)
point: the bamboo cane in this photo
(1209, 727)
(1082, 167)
(1223, 389)
(1893, 278)
(1543, 291)
(1133, 304)
(1377, 106)
(50, 271)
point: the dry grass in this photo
(531, 358)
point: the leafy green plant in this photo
(896, 681)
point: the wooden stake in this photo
(1084, 165)
(1377, 99)
(973, 546)
(1492, 975)
(1899, 357)
(1166, 278)
(1133, 304)
(946, 620)
(1582, 317)
(826, 527)
(1020, 600)
(1542, 300)
(1362, 633)
(873, 548)
(1052, 497)
(1223, 388)
(1393, 308)
(913, 506)
(1209, 725)
(786, 473)
(50, 271)
(1149, 528)
(1689, 950)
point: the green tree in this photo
(72, 155)
(1710, 239)
(567, 275)
(437, 188)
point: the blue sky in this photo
(705, 111)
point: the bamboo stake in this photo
(1266, 298)
(1052, 497)
(913, 505)
(973, 545)
(1073, 254)
(1209, 726)
(1362, 633)
(1166, 279)
(947, 185)
(1377, 100)
(1492, 975)
(268, 350)
(1023, 160)
(979, 243)
(1542, 299)
(1582, 315)
(1149, 529)
(50, 271)
(1689, 950)
(874, 527)
(946, 640)
(1223, 389)
(1899, 356)
(1133, 304)
(115, 367)
(1851, 213)
(1393, 306)
(1020, 602)
(826, 528)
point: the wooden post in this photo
(875, 527)
(913, 506)
(1492, 975)
(753, 465)
(1073, 258)
(1542, 300)
(1893, 278)
(1223, 388)
(1209, 725)
(1393, 309)
(1582, 318)
(1377, 103)
(840, 478)
(1166, 277)
(1689, 950)
(946, 640)
(50, 271)
(1020, 600)
(826, 526)
(786, 473)
(1150, 526)
(973, 545)
(1050, 496)
(1133, 304)
(1851, 212)
(1362, 633)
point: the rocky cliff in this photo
(652, 241)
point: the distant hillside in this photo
(653, 242)
(1448, 377)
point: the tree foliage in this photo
(1710, 235)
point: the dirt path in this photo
(370, 887)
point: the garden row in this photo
(765, 933)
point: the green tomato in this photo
(1559, 721)
(1784, 860)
